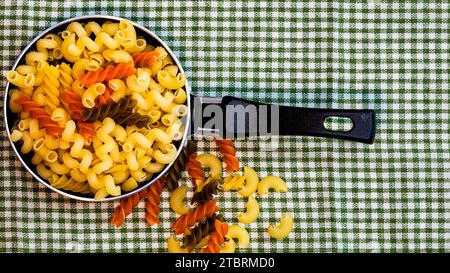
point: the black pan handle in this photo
(243, 118)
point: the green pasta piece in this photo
(207, 193)
(110, 109)
(174, 173)
(128, 118)
(202, 230)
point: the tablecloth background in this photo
(392, 196)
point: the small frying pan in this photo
(228, 116)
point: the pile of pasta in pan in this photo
(99, 108)
(199, 226)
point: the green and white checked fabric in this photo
(392, 196)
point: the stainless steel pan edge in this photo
(20, 59)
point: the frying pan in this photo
(234, 117)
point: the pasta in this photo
(283, 228)
(111, 109)
(233, 182)
(174, 173)
(228, 247)
(68, 184)
(176, 200)
(189, 219)
(207, 192)
(92, 110)
(251, 182)
(170, 82)
(229, 154)
(73, 100)
(145, 59)
(211, 162)
(239, 233)
(36, 112)
(125, 207)
(128, 118)
(252, 212)
(174, 246)
(153, 200)
(105, 74)
(198, 233)
(195, 171)
(271, 182)
(217, 237)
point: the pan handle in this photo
(242, 118)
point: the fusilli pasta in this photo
(196, 215)
(153, 200)
(229, 154)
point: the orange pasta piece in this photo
(194, 169)
(153, 200)
(87, 130)
(36, 112)
(125, 207)
(110, 72)
(73, 101)
(229, 154)
(145, 59)
(189, 219)
(217, 237)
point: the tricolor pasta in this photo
(99, 107)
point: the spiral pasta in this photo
(125, 208)
(198, 233)
(105, 74)
(128, 118)
(195, 171)
(217, 237)
(73, 100)
(105, 97)
(110, 109)
(68, 184)
(174, 173)
(229, 154)
(207, 192)
(44, 119)
(145, 59)
(198, 214)
(90, 114)
(153, 200)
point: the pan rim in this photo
(20, 58)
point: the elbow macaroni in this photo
(212, 162)
(239, 233)
(251, 182)
(176, 200)
(271, 182)
(283, 228)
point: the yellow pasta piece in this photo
(251, 182)
(228, 247)
(129, 185)
(284, 227)
(176, 200)
(233, 182)
(174, 246)
(166, 81)
(271, 182)
(252, 212)
(101, 194)
(239, 233)
(212, 162)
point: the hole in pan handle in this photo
(231, 117)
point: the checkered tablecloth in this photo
(392, 196)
